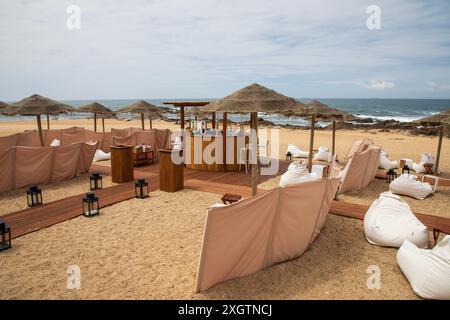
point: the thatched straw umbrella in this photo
(96, 108)
(144, 108)
(318, 110)
(252, 99)
(3, 105)
(443, 120)
(37, 105)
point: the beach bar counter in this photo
(210, 152)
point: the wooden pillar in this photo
(151, 125)
(438, 155)
(39, 124)
(311, 142)
(142, 121)
(213, 120)
(182, 117)
(254, 126)
(224, 135)
(48, 121)
(333, 146)
(103, 124)
(95, 122)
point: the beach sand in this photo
(148, 249)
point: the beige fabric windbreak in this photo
(361, 169)
(124, 132)
(25, 166)
(157, 138)
(255, 233)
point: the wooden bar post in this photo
(182, 117)
(151, 125)
(48, 121)
(142, 121)
(254, 126)
(95, 122)
(103, 124)
(213, 120)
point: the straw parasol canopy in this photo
(37, 105)
(436, 119)
(144, 108)
(96, 108)
(443, 120)
(3, 105)
(253, 98)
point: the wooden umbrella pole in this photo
(48, 121)
(151, 125)
(438, 155)
(224, 144)
(103, 124)
(142, 121)
(333, 147)
(95, 122)
(39, 124)
(213, 120)
(254, 126)
(311, 142)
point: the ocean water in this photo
(382, 109)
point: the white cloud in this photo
(378, 84)
(435, 86)
(198, 48)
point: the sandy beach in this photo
(149, 249)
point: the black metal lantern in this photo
(289, 156)
(34, 196)
(405, 168)
(391, 175)
(141, 188)
(95, 181)
(5, 230)
(90, 205)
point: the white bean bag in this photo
(408, 185)
(385, 163)
(323, 154)
(428, 271)
(425, 158)
(101, 156)
(297, 173)
(296, 151)
(55, 143)
(390, 221)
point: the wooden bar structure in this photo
(183, 104)
(122, 164)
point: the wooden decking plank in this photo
(358, 211)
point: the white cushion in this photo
(101, 156)
(297, 173)
(389, 221)
(425, 158)
(323, 154)
(385, 163)
(55, 143)
(296, 151)
(428, 271)
(408, 185)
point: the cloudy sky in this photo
(209, 48)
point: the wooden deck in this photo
(32, 219)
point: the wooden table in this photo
(230, 198)
(144, 157)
